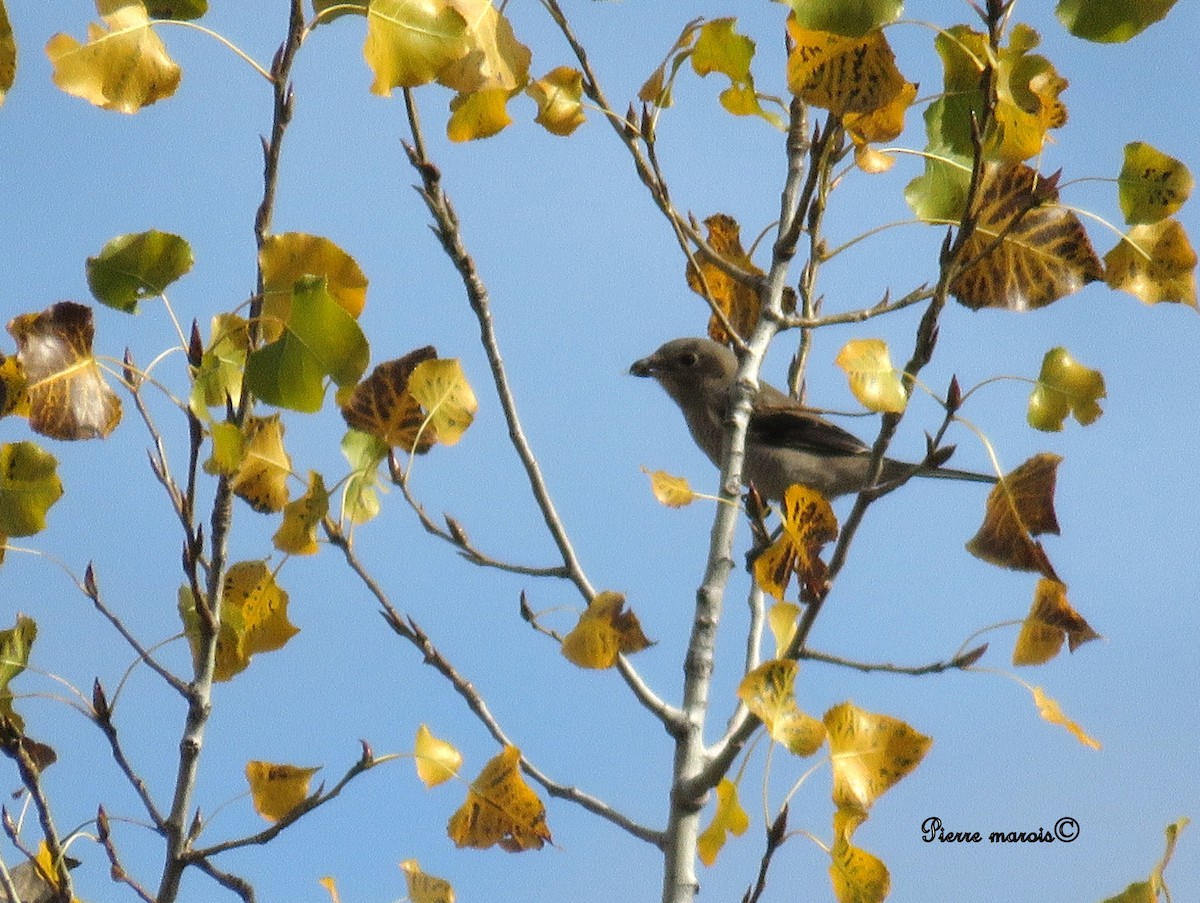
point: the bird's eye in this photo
(688, 359)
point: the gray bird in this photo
(785, 442)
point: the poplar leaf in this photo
(1155, 263)
(1019, 507)
(364, 452)
(1152, 185)
(277, 789)
(297, 535)
(842, 74)
(808, 525)
(425, 888)
(287, 258)
(769, 693)
(133, 267)
(1026, 251)
(383, 406)
(500, 809)
(858, 876)
(1110, 21)
(68, 396)
(8, 54)
(262, 474)
(178, 10)
(719, 48)
(29, 486)
(410, 42)
(436, 760)
(738, 301)
(1050, 621)
(218, 379)
(604, 631)
(730, 818)
(14, 387)
(559, 98)
(480, 114)
(876, 384)
(870, 753)
(123, 66)
(783, 619)
(852, 20)
(15, 644)
(1051, 711)
(441, 388)
(674, 492)
(1064, 387)
(319, 340)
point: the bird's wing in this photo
(788, 426)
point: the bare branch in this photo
(116, 870)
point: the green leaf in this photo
(1064, 387)
(320, 339)
(849, 18)
(8, 54)
(940, 195)
(176, 9)
(365, 453)
(345, 8)
(721, 49)
(14, 649)
(1152, 185)
(29, 485)
(1110, 21)
(140, 265)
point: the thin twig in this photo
(102, 716)
(447, 230)
(958, 663)
(116, 870)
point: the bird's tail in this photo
(950, 473)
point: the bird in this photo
(786, 443)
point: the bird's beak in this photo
(644, 367)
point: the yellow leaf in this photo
(870, 753)
(495, 59)
(437, 761)
(382, 405)
(441, 387)
(559, 97)
(254, 619)
(297, 535)
(1020, 507)
(261, 478)
(674, 492)
(123, 67)
(1154, 263)
(67, 395)
(277, 789)
(738, 301)
(1027, 250)
(884, 123)
(1065, 386)
(410, 42)
(1052, 712)
(842, 75)
(768, 692)
(1051, 620)
(290, 256)
(874, 381)
(808, 524)
(604, 631)
(14, 387)
(423, 888)
(331, 886)
(858, 876)
(1152, 185)
(730, 818)
(500, 809)
(782, 618)
(8, 54)
(479, 114)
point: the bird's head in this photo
(689, 367)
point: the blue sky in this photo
(584, 278)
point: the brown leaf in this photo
(808, 524)
(68, 397)
(1051, 619)
(382, 405)
(1020, 507)
(1027, 251)
(738, 301)
(842, 75)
